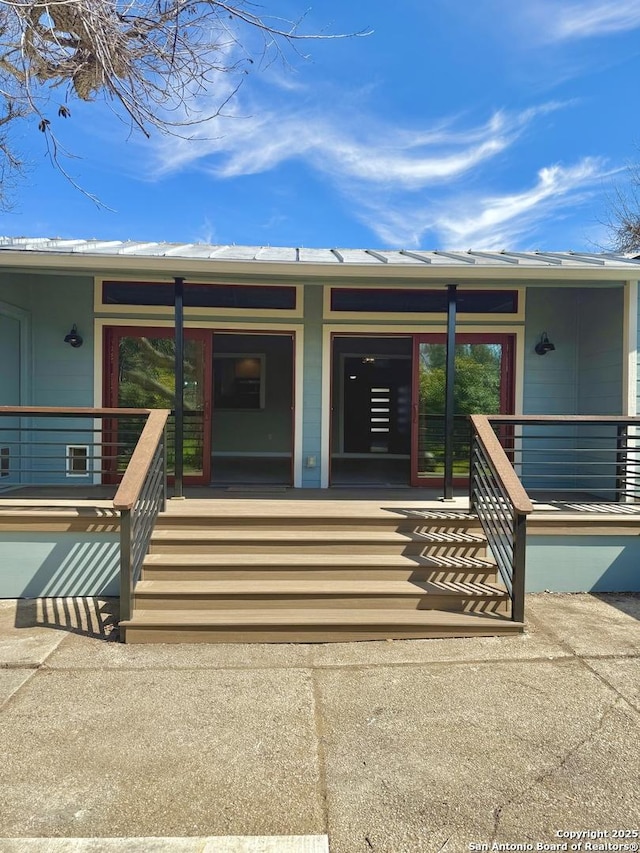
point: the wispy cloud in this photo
(562, 22)
(407, 185)
(370, 152)
(206, 232)
(497, 221)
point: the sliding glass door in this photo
(483, 385)
(141, 374)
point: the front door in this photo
(141, 374)
(483, 385)
(370, 410)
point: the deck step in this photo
(254, 513)
(203, 565)
(172, 523)
(310, 574)
(244, 535)
(308, 625)
(384, 594)
(225, 540)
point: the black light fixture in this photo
(74, 337)
(544, 345)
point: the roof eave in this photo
(165, 267)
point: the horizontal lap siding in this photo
(37, 564)
(583, 563)
(61, 375)
(550, 381)
(312, 386)
(600, 317)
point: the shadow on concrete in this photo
(89, 617)
(626, 602)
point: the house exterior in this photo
(321, 369)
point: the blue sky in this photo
(456, 124)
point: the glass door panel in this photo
(143, 376)
(483, 373)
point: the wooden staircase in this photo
(297, 576)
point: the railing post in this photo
(449, 397)
(164, 470)
(126, 575)
(472, 467)
(519, 563)
(178, 432)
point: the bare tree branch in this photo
(623, 222)
(150, 59)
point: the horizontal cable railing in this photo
(502, 505)
(48, 447)
(431, 444)
(579, 458)
(141, 496)
(51, 446)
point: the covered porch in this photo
(274, 564)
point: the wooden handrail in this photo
(504, 472)
(141, 459)
(560, 419)
(65, 411)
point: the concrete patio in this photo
(393, 747)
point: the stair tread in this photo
(213, 559)
(262, 509)
(253, 535)
(314, 616)
(322, 587)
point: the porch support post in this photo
(179, 386)
(449, 402)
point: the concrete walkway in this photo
(394, 747)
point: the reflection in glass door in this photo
(143, 376)
(483, 385)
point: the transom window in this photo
(279, 297)
(415, 301)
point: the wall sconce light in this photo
(74, 337)
(544, 345)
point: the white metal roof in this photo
(330, 257)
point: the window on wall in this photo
(415, 301)
(239, 296)
(238, 381)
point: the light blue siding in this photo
(58, 564)
(312, 405)
(583, 375)
(14, 289)
(62, 375)
(550, 381)
(583, 563)
(600, 320)
(59, 374)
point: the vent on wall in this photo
(77, 460)
(4, 461)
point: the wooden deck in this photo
(330, 565)
(91, 508)
(282, 570)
